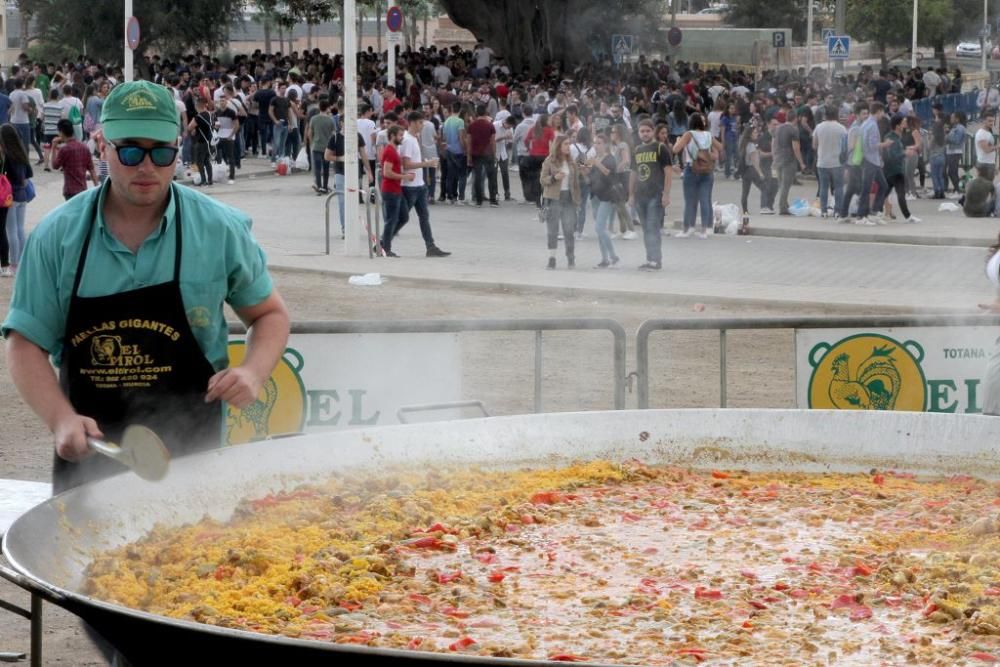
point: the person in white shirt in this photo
(68, 101)
(415, 190)
(442, 74)
(829, 138)
(483, 55)
(228, 125)
(505, 141)
(986, 149)
(582, 152)
(368, 130)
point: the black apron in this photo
(131, 358)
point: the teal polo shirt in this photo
(221, 263)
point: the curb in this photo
(590, 292)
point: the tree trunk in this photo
(281, 39)
(379, 25)
(427, 13)
(267, 35)
(309, 34)
(25, 30)
(530, 32)
(940, 54)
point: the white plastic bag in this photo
(727, 217)
(195, 178)
(949, 207)
(799, 207)
(220, 172)
(367, 280)
(302, 161)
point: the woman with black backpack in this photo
(700, 152)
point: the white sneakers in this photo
(912, 220)
(5, 272)
(767, 211)
(684, 234)
(703, 234)
(628, 236)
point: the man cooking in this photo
(123, 287)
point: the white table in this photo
(16, 498)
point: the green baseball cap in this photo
(140, 110)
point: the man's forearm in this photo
(266, 341)
(36, 380)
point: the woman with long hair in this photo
(700, 152)
(913, 144)
(753, 174)
(17, 169)
(607, 191)
(936, 152)
(954, 148)
(730, 138)
(539, 142)
(581, 151)
(677, 120)
(560, 180)
(621, 149)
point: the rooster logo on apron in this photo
(279, 409)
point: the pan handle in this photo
(31, 585)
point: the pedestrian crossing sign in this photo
(622, 45)
(838, 47)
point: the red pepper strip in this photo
(292, 600)
(417, 597)
(223, 572)
(858, 611)
(862, 570)
(992, 591)
(718, 474)
(527, 518)
(462, 643)
(985, 657)
(428, 543)
(815, 567)
(308, 609)
(415, 643)
(496, 576)
(455, 613)
(788, 559)
(361, 638)
(350, 606)
(547, 498)
(437, 528)
(930, 609)
(748, 574)
(698, 654)
(629, 516)
(878, 479)
(798, 593)
(757, 605)
(486, 557)
(448, 577)
(567, 657)
(781, 586)
(707, 594)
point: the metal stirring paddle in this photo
(140, 449)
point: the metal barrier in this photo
(724, 325)
(374, 246)
(461, 326)
(965, 102)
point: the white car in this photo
(971, 48)
(718, 9)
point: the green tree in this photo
(170, 26)
(771, 14)
(530, 32)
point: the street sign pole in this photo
(129, 67)
(394, 22)
(355, 238)
(913, 49)
(986, 28)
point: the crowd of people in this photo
(599, 141)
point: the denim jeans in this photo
(15, 231)
(416, 197)
(227, 152)
(750, 177)
(937, 174)
(504, 168)
(484, 170)
(292, 143)
(697, 192)
(24, 132)
(266, 130)
(338, 187)
(769, 186)
(430, 178)
(602, 224)
(321, 170)
(786, 176)
(280, 139)
(828, 176)
(561, 217)
(650, 216)
(457, 176)
(581, 212)
(871, 173)
(392, 205)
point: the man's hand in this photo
(409, 177)
(665, 200)
(237, 386)
(71, 435)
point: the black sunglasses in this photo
(132, 156)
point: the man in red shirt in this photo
(392, 187)
(482, 156)
(73, 158)
(390, 101)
